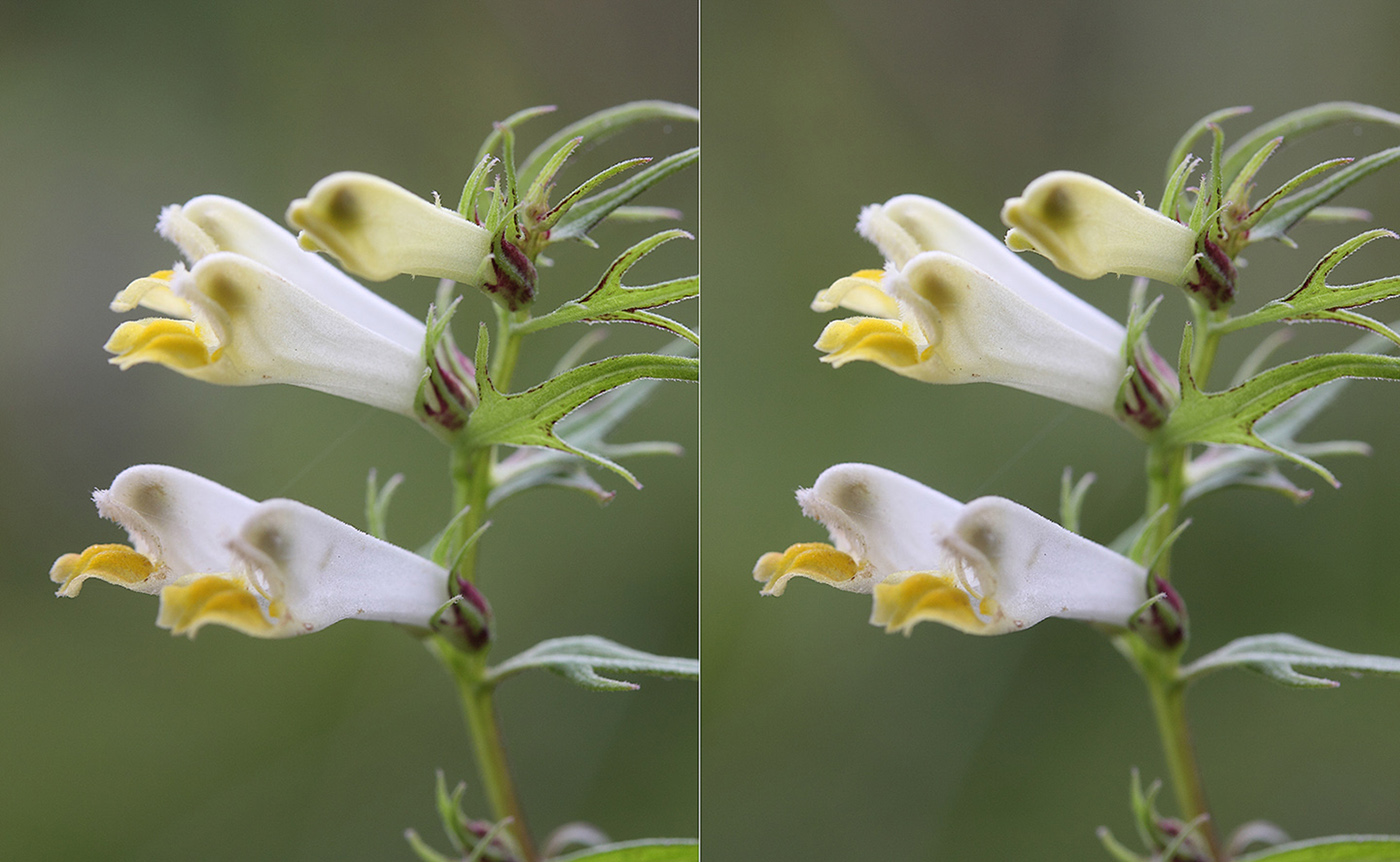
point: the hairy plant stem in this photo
(479, 710)
(471, 487)
(1160, 666)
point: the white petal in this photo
(211, 223)
(182, 521)
(977, 329)
(270, 331)
(886, 521)
(1033, 568)
(322, 570)
(933, 226)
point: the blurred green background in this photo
(119, 742)
(824, 738)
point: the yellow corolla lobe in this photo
(194, 601)
(816, 560)
(899, 605)
(179, 344)
(115, 564)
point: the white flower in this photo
(990, 566)
(271, 569)
(1088, 228)
(255, 308)
(378, 229)
(954, 305)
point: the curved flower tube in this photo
(246, 325)
(1088, 228)
(255, 308)
(986, 567)
(378, 229)
(271, 569)
(954, 305)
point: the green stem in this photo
(479, 710)
(471, 487)
(1169, 707)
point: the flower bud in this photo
(378, 230)
(1088, 228)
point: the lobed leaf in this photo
(528, 418)
(1229, 417)
(611, 300)
(1335, 848)
(1315, 299)
(1279, 657)
(580, 659)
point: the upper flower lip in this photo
(986, 567)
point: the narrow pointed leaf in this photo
(641, 850)
(499, 130)
(559, 210)
(1295, 124)
(1283, 657)
(604, 124)
(1290, 210)
(585, 658)
(586, 214)
(1183, 146)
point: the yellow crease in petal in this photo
(928, 596)
(195, 601)
(178, 344)
(886, 342)
(115, 564)
(816, 560)
(153, 292)
(860, 293)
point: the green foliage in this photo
(1072, 495)
(1279, 657)
(585, 428)
(1296, 124)
(1288, 211)
(580, 659)
(1315, 299)
(1337, 848)
(1229, 417)
(612, 301)
(528, 418)
(586, 213)
(642, 850)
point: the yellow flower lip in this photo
(116, 564)
(197, 600)
(929, 596)
(815, 560)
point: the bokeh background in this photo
(119, 742)
(824, 738)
